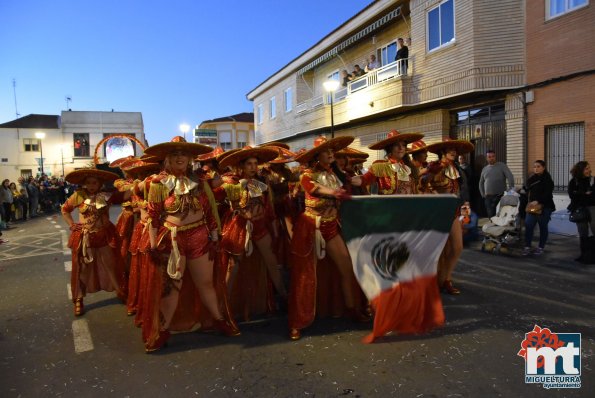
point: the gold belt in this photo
(170, 225)
(313, 215)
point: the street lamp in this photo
(40, 135)
(331, 86)
(184, 128)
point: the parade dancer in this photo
(316, 233)
(444, 177)
(96, 261)
(181, 226)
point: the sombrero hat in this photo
(285, 155)
(178, 143)
(276, 143)
(394, 136)
(79, 176)
(141, 167)
(417, 146)
(461, 146)
(118, 162)
(353, 161)
(263, 154)
(225, 154)
(211, 155)
(151, 158)
(352, 153)
(321, 144)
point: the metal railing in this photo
(390, 71)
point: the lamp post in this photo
(184, 128)
(40, 135)
(331, 86)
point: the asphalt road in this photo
(46, 352)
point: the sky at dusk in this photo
(175, 61)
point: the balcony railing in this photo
(389, 71)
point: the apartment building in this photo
(561, 81)
(57, 145)
(228, 132)
(462, 79)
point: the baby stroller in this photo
(503, 229)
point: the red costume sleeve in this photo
(368, 178)
(307, 183)
(206, 208)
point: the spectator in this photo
(345, 77)
(468, 220)
(540, 188)
(581, 191)
(77, 147)
(6, 198)
(402, 54)
(357, 71)
(24, 196)
(492, 182)
(371, 64)
(33, 191)
(17, 207)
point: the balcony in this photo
(388, 72)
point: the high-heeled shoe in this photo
(295, 334)
(227, 328)
(159, 343)
(448, 287)
(79, 307)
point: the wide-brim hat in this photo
(79, 176)
(352, 153)
(276, 143)
(394, 136)
(353, 161)
(207, 157)
(178, 144)
(285, 155)
(322, 144)
(225, 154)
(417, 146)
(461, 146)
(263, 154)
(142, 167)
(118, 162)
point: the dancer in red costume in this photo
(444, 176)
(125, 221)
(247, 229)
(396, 175)
(181, 224)
(316, 233)
(96, 261)
(419, 154)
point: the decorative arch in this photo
(109, 137)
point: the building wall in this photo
(233, 128)
(559, 46)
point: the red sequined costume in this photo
(171, 195)
(248, 221)
(96, 260)
(125, 222)
(392, 177)
(313, 285)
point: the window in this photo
(441, 25)
(553, 8)
(259, 114)
(288, 100)
(242, 138)
(565, 146)
(81, 144)
(272, 108)
(388, 53)
(31, 144)
(225, 140)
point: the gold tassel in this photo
(213, 203)
(233, 191)
(382, 169)
(157, 192)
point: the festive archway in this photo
(109, 137)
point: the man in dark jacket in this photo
(402, 53)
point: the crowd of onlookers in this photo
(29, 197)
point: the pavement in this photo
(45, 351)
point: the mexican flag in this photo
(395, 242)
